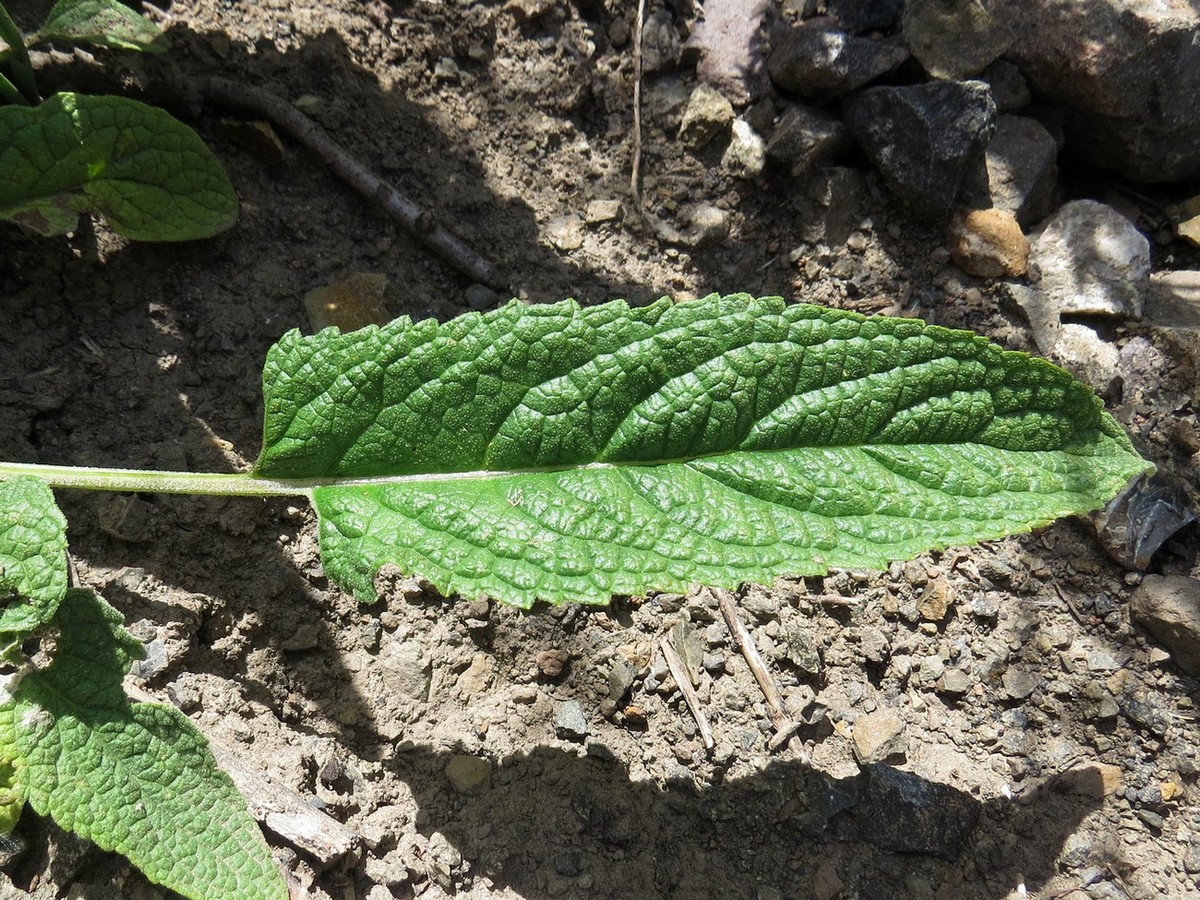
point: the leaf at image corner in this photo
(12, 766)
(147, 173)
(134, 778)
(107, 23)
(33, 556)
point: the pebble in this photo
(1022, 168)
(661, 47)
(954, 40)
(1168, 608)
(469, 775)
(879, 735)
(707, 115)
(823, 62)
(600, 211)
(407, 670)
(954, 682)
(480, 297)
(620, 678)
(988, 243)
(565, 233)
(1018, 683)
(746, 154)
(1091, 261)
(349, 304)
(935, 601)
(805, 137)
(570, 722)
(708, 224)
(551, 663)
(1009, 88)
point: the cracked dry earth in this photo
(975, 723)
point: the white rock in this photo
(1092, 261)
(747, 152)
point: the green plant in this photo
(569, 453)
(147, 173)
(137, 778)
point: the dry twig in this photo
(683, 680)
(410, 215)
(784, 726)
(635, 174)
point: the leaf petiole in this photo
(151, 481)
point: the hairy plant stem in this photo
(155, 482)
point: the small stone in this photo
(570, 722)
(407, 670)
(833, 203)
(1018, 683)
(826, 884)
(800, 649)
(823, 62)
(905, 813)
(1022, 168)
(988, 243)
(1152, 819)
(620, 678)
(480, 297)
(985, 606)
(954, 40)
(746, 154)
(600, 211)
(1168, 608)
(708, 224)
(349, 304)
(879, 735)
(126, 518)
(524, 694)
(1092, 261)
(154, 662)
(707, 114)
(932, 668)
(551, 663)
(954, 683)
(805, 137)
(661, 47)
(305, 637)
(469, 775)
(565, 233)
(935, 601)
(1096, 780)
(475, 678)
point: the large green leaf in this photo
(33, 556)
(108, 23)
(569, 453)
(150, 175)
(135, 778)
(12, 765)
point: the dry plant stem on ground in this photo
(680, 674)
(415, 219)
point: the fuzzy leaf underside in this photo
(147, 173)
(136, 778)
(108, 23)
(33, 555)
(569, 453)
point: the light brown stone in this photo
(988, 243)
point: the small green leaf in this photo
(569, 453)
(150, 175)
(108, 23)
(12, 766)
(33, 556)
(138, 778)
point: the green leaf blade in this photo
(12, 766)
(151, 176)
(137, 779)
(33, 556)
(106, 23)
(569, 453)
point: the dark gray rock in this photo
(570, 722)
(925, 139)
(661, 47)
(1009, 88)
(857, 16)
(1022, 167)
(805, 137)
(1126, 74)
(823, 62)
(1168, 608)
(954, 40)
(1144, 516)
(902, 812)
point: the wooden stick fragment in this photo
(740, 634)
(680, 673)
(635, 174)
(415, 219)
